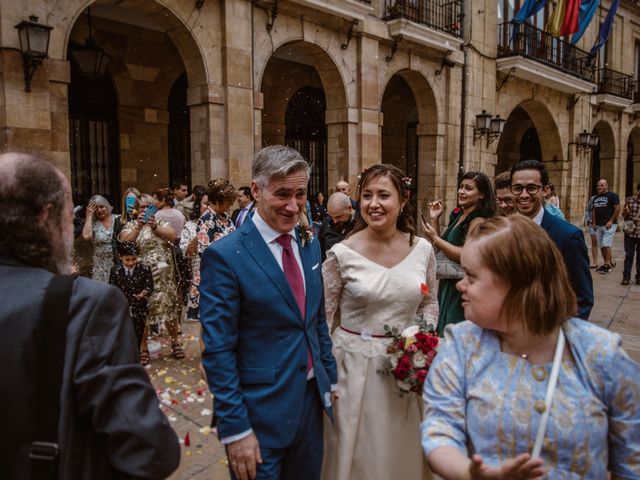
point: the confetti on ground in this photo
(205, 412)
(205, 430)
(168, 379)
(187, 440)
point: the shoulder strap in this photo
(50, 347)
(551, 389)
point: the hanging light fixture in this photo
(34, 44)
(488, 126)
(586, 141)
(90, 58)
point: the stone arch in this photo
(293, 66)
(150, 47)
(603, 157)
(170, 15)
(419, 143)
(633, 162)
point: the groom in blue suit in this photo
(267, 347)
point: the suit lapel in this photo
(261, 254)
(307, 259)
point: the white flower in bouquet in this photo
(393, 358)
(419, 360)
(411, 331)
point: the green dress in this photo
(449, 298)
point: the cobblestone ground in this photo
(188, 404)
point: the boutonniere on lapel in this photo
(306, 234)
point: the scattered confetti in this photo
(205, 412)
(187, 440)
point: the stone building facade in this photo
(194, 87)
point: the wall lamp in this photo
(586, 142)
(34, 45)
(488, 126)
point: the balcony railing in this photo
(531, 42)
(614, 83)
(444, 15)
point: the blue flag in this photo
(587, 11)
(529, 8)
(605, 29)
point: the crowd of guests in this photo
(293, 326)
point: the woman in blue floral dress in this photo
(486, 392)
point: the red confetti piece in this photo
(424, 288)
(187, 440)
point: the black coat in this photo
(111, 426)
(140, 281)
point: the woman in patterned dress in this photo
(216, 222)
(155, 242)
(98, 229)
(486, 391)
(189, 246)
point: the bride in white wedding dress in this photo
(372, 279)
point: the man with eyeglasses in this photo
(529, 183)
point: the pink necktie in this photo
(294, 276)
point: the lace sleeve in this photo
(332, 289)
(428, 307)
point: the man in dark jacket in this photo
(339, 222)
(110, 424)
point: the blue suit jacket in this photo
(570, 241)
(256, 340)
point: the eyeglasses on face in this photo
(531, 188)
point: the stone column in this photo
(237, 65)
(206, 107)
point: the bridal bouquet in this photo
(410, 354)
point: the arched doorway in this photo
(306, 131)
(519, 141)
(179, 140)
(153, 58)
(93, 138)
(399, 129)
(300, 85)
(633, 162)
(603, 156)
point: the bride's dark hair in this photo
(402, 184)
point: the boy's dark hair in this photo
(127, 248)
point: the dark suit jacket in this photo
(236, 212)
(140, 281)
(111, 425)
(256, 341)
(570, 241)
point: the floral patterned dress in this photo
(157, 254)
(102, 250)
(193, 296)
(211, 228)
(482, 400)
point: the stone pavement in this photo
(188, 404)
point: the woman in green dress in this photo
(476, 199)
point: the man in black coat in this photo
(338, 223)
(110, 424)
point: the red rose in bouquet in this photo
(410, 354)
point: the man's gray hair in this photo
(339, 201)
(277, 161)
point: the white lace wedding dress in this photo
(376, 433)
